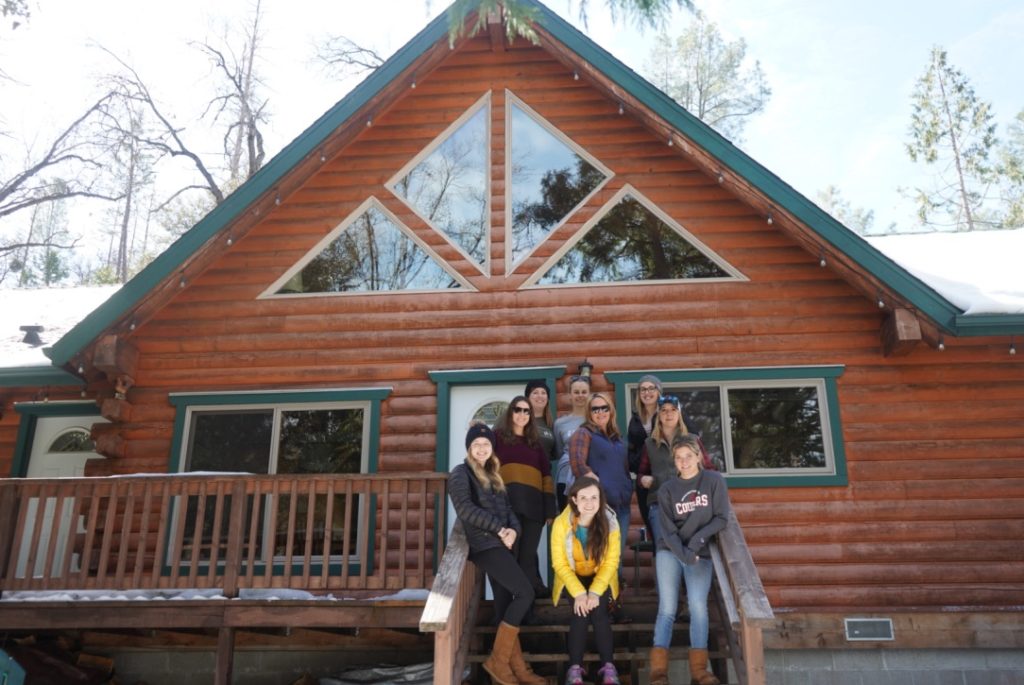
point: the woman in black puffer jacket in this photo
(481, 503)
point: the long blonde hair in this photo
(489, 474)
(657, 433)
(612, 431)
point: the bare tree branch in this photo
(342, 57)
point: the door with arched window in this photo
(60, 449)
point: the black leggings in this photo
(599, 618)
(507, 578)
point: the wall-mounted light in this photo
(323, 155)
(181, 280)
(941, 347)
(369, 122)
(822, 262)
(881, 302)
(721, 177)
(670, 141)
(575, 76)
(1013, 347)
(277, 197)
(622, 109)
(585, 368)
(230, 241)
(771, 219)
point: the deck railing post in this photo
(236, 538)
(8, 527)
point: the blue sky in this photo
(841, 73)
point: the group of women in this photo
(504, 494)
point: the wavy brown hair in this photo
(598, 532)
(504, 427)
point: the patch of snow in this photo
(978, 272)
(57, 310)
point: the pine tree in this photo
(952, 131)
(1011, 173)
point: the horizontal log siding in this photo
(934, 441)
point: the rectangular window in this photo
(761, 426)
(283, 433)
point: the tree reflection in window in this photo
(549, 180)
(371, 254)
(776, 428)
(75, 440)
(449, 188)
(630, 243)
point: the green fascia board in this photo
(170, 261)
(36, 376)
(784, 196)
(989, 324)
(840, 238)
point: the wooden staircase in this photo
(463, 630)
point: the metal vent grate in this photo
(869, 629)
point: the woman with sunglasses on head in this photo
(585, 557)
(565, 426)
(656, 462)
(641, 425)
(482, 504)
(596, 449)
(693, 506)
(526, 470)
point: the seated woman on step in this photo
(481, 503)
(585, 553)
(692, 508)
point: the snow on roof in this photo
(978, 272)
(57, 310)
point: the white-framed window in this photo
(761, 426)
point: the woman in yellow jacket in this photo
(585, 552)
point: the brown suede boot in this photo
(524, 674)
(699, 673)
(497, 664)
(658, 661)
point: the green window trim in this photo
(825, 374)
(446, 379)
(31, 412)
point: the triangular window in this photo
(550, 176)
(632, 241)
(448, 186)
(369, 252)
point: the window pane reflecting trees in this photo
(776, 428)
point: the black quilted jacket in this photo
(482, 512)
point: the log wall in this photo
(934, 512)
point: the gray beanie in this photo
(650, 378)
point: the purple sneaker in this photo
(608, 674)
(574, 676)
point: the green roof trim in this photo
(832, 233)
(35, 376)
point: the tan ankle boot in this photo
(658, 661)
(699, 673)
(497, 664)
(524, 674)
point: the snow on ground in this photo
(57, 310)
(979, 272)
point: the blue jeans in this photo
(623, 518)
(654, 518)
(671, 572)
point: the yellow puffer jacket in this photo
(569, 570)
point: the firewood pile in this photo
(57, 660)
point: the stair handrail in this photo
(451, 606)
(746, 604)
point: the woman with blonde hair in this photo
(640, 428)
(482, 504)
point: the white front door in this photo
(60, 448)
(470, 403)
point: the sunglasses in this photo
(521, 410)
(577, 379)
(603, 409)
(668, 399)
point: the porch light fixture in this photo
(821, 259)
(585, 368)
(575, 76)
(721, 177)
(369, 122)
(941, 347)
(277, 197)
(771, 219)
(181, 280)
(323, 156)
(131, 326)
(881, 302)
(622, 109)
(1013, 347)
(230, 241)
(670, 142)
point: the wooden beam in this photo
(116, 356)
(225, 656)
(496, 30)
(116, 411)
(901, 333)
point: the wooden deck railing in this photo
(347, 533)
(740, 593)
(451, 608)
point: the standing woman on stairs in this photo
(482, 505)
(585, 557)
(692, 508)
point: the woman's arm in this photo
(465, 508)
(609, 563)
(559, 559)
(720, 507)
(669, 530)
(579, 452)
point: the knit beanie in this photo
(534, 384)
(479, 430)
(650, 378)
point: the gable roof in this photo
(830, 235)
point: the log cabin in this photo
(301, 366)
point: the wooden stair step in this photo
(674, 653)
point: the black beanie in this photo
(479, 430)
(533, 385)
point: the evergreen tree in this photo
(952, 131)
(705, 74)
(1011, 173)
(859, 220)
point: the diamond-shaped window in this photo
(550, 176)
(448, 183)
(631, 241)
(370, 252)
